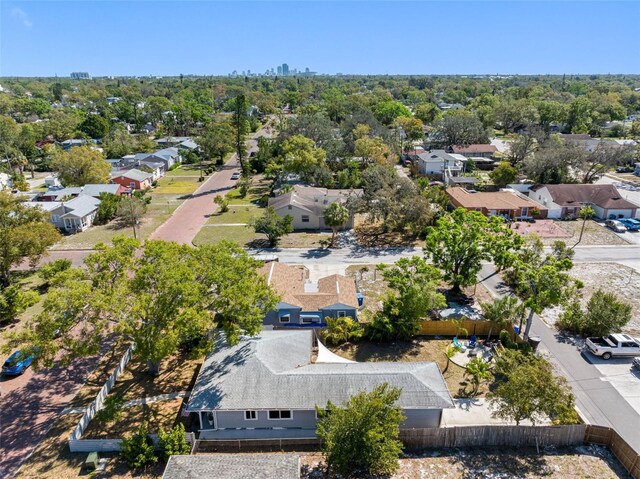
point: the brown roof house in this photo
(506, 203)
(306, 204)
(565, 201)
(477, 150)
(304, 303)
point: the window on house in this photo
(279, 415)
(308, 318)
(285, 318)
(132, 185)
(289, 207)
(342, 314)
(251, 415)
(305, 218)
(54, 218)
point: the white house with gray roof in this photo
(268, 387)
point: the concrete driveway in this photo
(621, 375)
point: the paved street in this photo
(596, 397)
(192, 214)
(30, 403)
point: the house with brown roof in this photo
(304, 303)
(506, 203)
(565, 201)
(306, 205)
(476, 150)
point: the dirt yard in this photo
(569, 231)
(372, 285)
(556, 463)
(418, 349)
(612, 278)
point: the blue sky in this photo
(421, 37)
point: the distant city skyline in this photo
(45, 38)
(280, 70)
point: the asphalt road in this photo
(598, 401)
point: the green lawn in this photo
(160, 208)
(236, 214)
(176, 185)
(214, 234)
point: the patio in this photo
(462, 358)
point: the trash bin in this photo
(534, 341)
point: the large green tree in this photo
(25, 233)
(272, 225)
(240, 124)
(80, 166)
(217, 141)
(362, 436)
(462, 240)
(414, 295)
(528, 389)
(155, 297)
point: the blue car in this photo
(631, 224)
(17, 363)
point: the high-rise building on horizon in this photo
(279, 70)
(285, 69)
(80, 76)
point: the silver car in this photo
(616, 226)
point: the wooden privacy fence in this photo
(96, 404)
(449, 328)
(493, 435)
(627, 456)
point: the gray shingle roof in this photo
(274, 371)
(95, 190)
(81, 206)
(233, 466)
(136, 175)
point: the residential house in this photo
(440, 165)
(68, 144)
(506, 203)
(269, 386)
(306, 204)
(172, 140)
(565, 201)
(233, 466)
(167, 156)
(134, 179)
(60, 194)
(72, 216)
(305, 303)
(476, 150)
(79, 213)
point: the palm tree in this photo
(478, 370)
(336, 216)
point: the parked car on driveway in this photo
(17, 363)
(636, 363)
(616, 226)
(235, 176)
(630, 224)
(614, 345)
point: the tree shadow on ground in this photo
(383, 351)
(372, 236)
(502, 462)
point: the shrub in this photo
(223, 203)
(138, 450)
(342, 330)
(14, 301)
(572, 318)
(49, 270)
(604, 314)
(173, 442)
(111, 409)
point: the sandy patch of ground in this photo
(543, 228)
(558, 463)
(612, 278)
